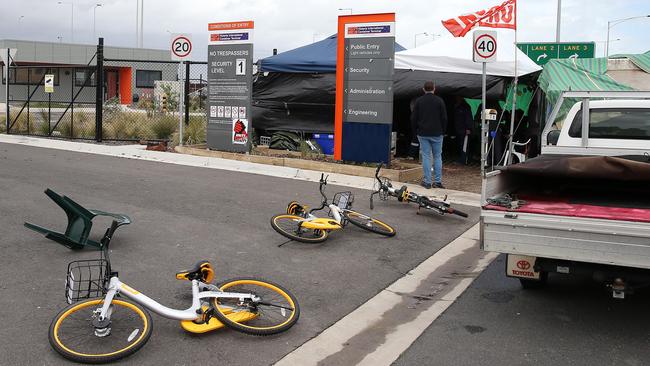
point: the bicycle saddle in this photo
(202, 271)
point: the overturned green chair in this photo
(80, 222)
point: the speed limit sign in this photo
(181, 47)
(485, 46)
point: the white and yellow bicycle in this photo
(108, 320)
(301, 225)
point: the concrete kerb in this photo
(139, 152)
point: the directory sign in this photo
(364, 88)
(230, 85)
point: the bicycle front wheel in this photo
(289, 226)
(370, 224)
(273, 310)
(75, 332)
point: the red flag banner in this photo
(500, 16)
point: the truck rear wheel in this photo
(528, 284)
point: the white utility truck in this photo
(583, 205)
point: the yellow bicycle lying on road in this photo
(301, 225)
(101, 325)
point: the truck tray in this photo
(615, 242)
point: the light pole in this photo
(71, 18)
(603, 43)
(344, 9)
(415, 38)
(612, 23)
(558, 21)
(95, 19)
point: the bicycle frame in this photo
(194, 312)
(318, 223)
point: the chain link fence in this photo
(147, 100)
(67, 110)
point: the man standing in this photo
(429, 123)
(464, 124)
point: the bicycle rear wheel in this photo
(75, 335)
(289, 226)
(275, 310)
(370, 224)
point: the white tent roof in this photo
(451, 54)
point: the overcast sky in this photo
(286, 24)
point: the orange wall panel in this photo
(125, 85)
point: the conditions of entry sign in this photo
(364, 88)
(230, 69)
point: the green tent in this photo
(588, 74)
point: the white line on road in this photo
(381, 329)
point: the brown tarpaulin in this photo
(624, 169)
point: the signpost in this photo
(484, 51)
(181, 50)
(541, 53)
(364, 88)
(230, 85)
(7, 55)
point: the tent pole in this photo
(514, 104)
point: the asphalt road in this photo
(181, 215)
(573, 321)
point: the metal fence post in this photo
(8, 64)
(187, 92)
(99, 90)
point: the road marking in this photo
(381, 329)
(138, 152)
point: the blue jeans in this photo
(428, 145)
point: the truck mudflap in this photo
(522, 266)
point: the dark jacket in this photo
(429, 116)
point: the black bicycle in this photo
(384, 188)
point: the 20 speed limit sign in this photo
(485, 46)
(181, 47)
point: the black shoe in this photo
(426, 185)
(438, 185)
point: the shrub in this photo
(125, 126)
(19, 125)
(163, 126)
(194, 133)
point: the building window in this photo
(31, 75)
(84, 75)
(146, 78)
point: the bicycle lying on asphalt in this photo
(384, 188)
(101, 325)
(301, 225)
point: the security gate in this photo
(52, 101)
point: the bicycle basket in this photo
(343, 200)
(86, 279)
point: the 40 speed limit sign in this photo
(485, 46)
(181, 47)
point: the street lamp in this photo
(603, 42)
(415, 37)
(612, 23)
(71, 18)
(344, 9)
(95, 19)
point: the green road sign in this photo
(541, 53)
